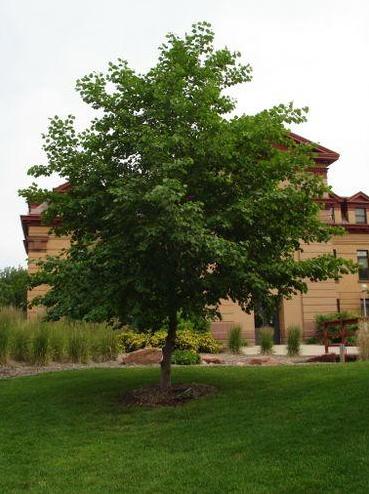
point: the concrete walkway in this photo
(306, 350)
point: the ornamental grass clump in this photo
(58, 332)
(363, 343)
(78, 345)
(11, 316)
(266, 340)
(21, 344)
(40, 347)
(103, 343)
(21, 338)
(4, 343)
(235, 341)
(293, 341)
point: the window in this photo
(363, 262)
(331, 215)
(337, 280)
(365, 312)
(360, 215)
(344, 212)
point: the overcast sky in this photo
(314, 53)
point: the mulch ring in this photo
(178, 394)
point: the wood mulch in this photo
(18, 369)
(177, 394)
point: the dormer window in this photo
(344, 212)
(360, 216)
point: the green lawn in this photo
(268, 430)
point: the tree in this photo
(13, 287)
(174, 203)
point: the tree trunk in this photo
(165, 376)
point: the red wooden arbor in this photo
(344, 331)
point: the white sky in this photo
(312, 52)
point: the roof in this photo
(323, 154)
(356, 199)
(324, 157)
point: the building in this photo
(321, 298)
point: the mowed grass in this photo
(268, 430)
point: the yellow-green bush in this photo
(187, 340)
(208, 344)
(157, 339)
(129, 341)
(198, 342)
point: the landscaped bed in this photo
(17, 369)
(266, 430)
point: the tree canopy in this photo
(176, 202)
(13, 287)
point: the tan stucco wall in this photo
(300, 310)
(349, 287)
(321, 297)
(232, 315)
(52, 246)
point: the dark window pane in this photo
(363, 312)
(344, 212)
(362, 260)
(360, 215)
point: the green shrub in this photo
(293, 341)
(195, 324)
(40, 347)
(312, 340)
(351, 340)
(235, 341)
(78, 346)
(185, 357)
(13, 287)
(266, 340)
(320, 319)
(4, 343)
